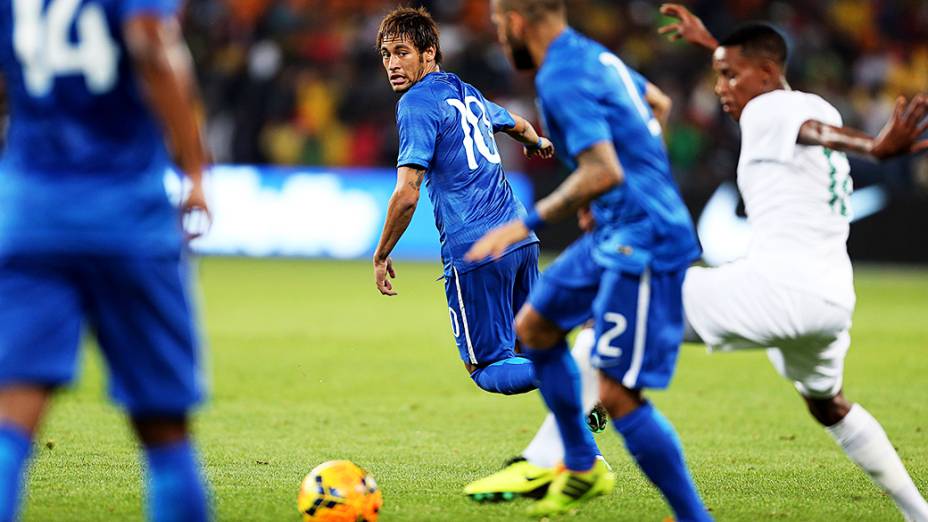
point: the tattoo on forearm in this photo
(576, 191)
(417, 183)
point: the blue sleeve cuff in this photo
(132, 8)
(533, 221)
(415, 161)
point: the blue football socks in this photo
(15, 447)
(654, 444)
(559, 383)
(176, 488)
(508, 376)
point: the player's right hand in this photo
(381, 270)
(195, 214)
(494, 243)
(689, 27)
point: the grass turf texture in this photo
(309, 363)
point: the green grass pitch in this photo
(308, 363)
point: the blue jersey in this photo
(446, 127)
(587, 96)
(85, 160)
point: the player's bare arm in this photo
(688, 27)
(900, 135)
(400, 210)
(660, 103)
(534, 144)
(598, 171)
(165, 68)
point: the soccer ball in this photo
(339, 491)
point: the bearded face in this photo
(518, 53)
(510, 30)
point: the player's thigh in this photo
(40, 320)
(526, 276)
(733, 306)
(143, 314)
(480, 307)
(639, 327)
(564, 292)
(814, 361)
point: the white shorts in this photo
(735, 307)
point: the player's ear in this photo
(771, 72)
(428, 54)
(515, 22)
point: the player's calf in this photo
(655, 446)
(828, 412)
(176, 488)
(865, 442)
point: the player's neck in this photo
(781, 85)
(539, 39)
(429, 69)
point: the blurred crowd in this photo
(300, 82)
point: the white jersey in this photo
(797, 197)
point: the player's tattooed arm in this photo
(534, 144)
(400, 210)
(899, 136)
(688, 27)
(160, 57)
(598, 171)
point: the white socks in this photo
(546, 449)
(865, 442)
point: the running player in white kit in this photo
(794, 291)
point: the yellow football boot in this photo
(518, 477)
(570, 488)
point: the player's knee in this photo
(828, 412)
(508, 377)
(160, 430)
(24, 405)
(618, 400)
(535, 331)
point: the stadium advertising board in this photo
(312, 212)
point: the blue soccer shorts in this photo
(639, 317)
(139, 308)
(484, 301)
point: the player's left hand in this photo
(545, 151)
(495, 242)
(381, 270)
(195, 214)
(900, 134)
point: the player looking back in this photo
(446, 130)
(96, 88)
(627, 273)
(794, 291)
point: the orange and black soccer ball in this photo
(339, 491)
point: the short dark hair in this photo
(415, 25)
(534, 9)
(759, 40)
